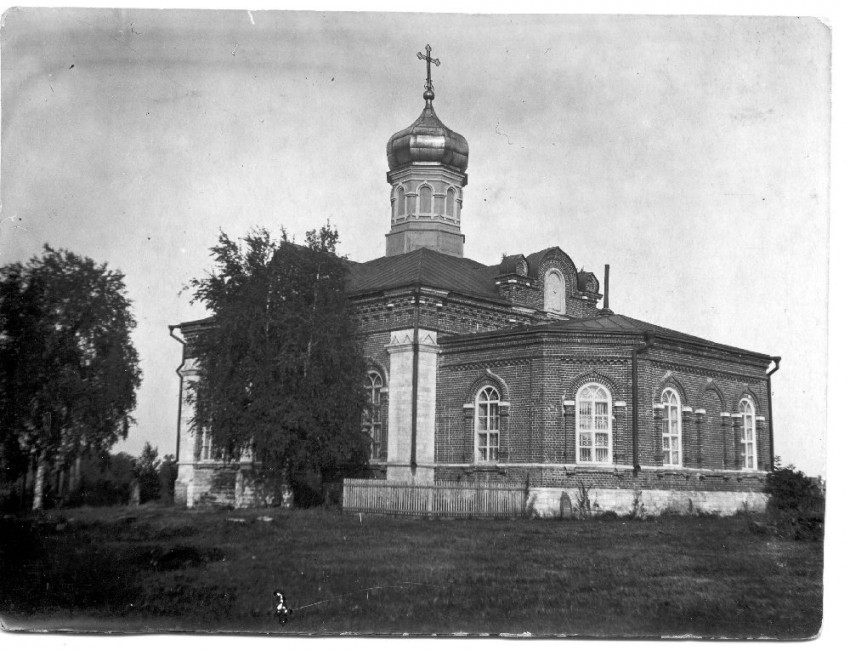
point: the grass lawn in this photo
(157, 568)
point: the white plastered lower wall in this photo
(566, 502)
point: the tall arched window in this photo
(748, 433)
(425, 200)
(671, 428)
(399, 202)
(205, 453)
(593, 424)
(372, 421)
(487, 425)
(553, 292)
(450, 202)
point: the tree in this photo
(796, 504)
(68, 369)
(281, 370)
(147, 473)
(167, 477)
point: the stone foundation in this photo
(226, 485)
(570, 502)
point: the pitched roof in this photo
(613, 324)
(428, 268)
(583, 279)
(199, 322)
(535, 258)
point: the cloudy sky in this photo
(689, 153)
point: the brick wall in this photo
(537, 372)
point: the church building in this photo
(510, 372)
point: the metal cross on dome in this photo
(429, 87)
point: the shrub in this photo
(796, 504)
(146, 471)
(584, 508)
(638, 511)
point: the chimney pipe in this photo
(605, 308)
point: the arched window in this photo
(399, 202)
(425, 200)
(205, 453)
(593, 424)
(553, 292)
(372, 422)
(487, 425)
(450, 202)
(671, 428)
(748, 433)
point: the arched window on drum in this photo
(425, 197)
(451, 201)
(399, 202)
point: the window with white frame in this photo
(487, 425)
(399, 202)
(450, 202)
(372, 421)
(553, 292)
(593, 424)
(425, 200)
(748, 433)
(205, 453)
(671, 428)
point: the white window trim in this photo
(370, 385)
(205, 450)
(610, 432)
(399, 200)
(419, 212)
(451, 214)
(475, 405)
(562, 308)
(665, 419)
(743, 414)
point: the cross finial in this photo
(429, 87)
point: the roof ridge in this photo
(419, 268)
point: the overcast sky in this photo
(689, 153)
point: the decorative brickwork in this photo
(438, 328)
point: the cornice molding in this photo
(705, 371)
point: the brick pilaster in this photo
(570, 431)
(621, 450)
(725, 426)
(687, 436)
(699, 420)
(737, 444)
(657, 418)
(763, 460)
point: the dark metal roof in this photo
(610, 324)
(428, 140)
(426, 268)
(534, 259)
(509, 264)
(584, 277)
(199, 322)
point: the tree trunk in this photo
(38, 489)
(75, 476)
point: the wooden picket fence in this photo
(448, 499)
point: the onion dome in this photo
(428, 141)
